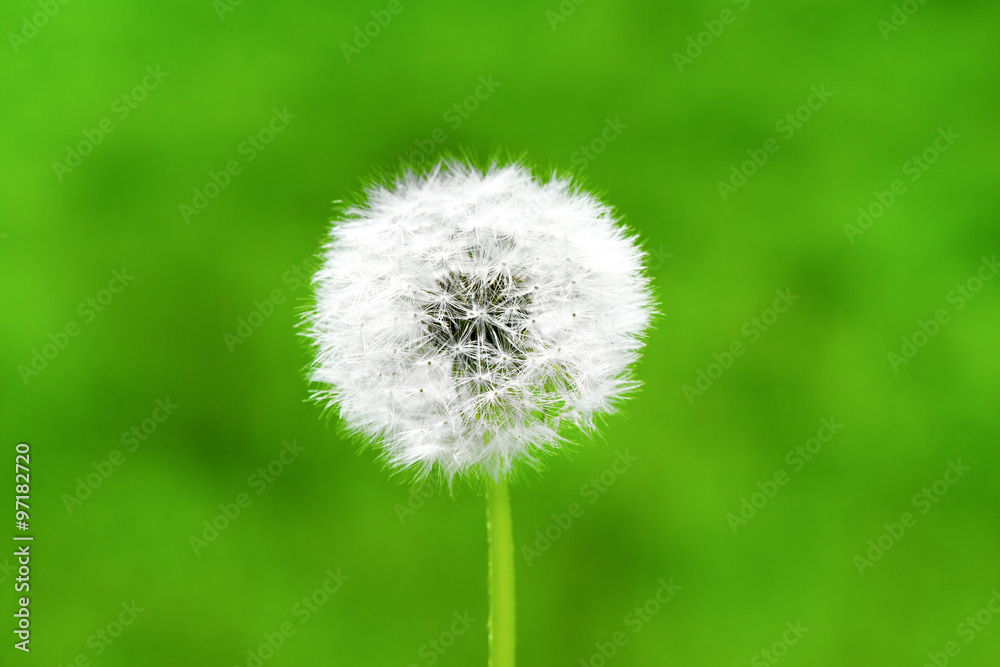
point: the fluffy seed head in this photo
(463, 317)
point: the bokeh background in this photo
(560, 76)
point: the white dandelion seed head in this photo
(464, 317)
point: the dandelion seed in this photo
(464, 317)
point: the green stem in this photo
(503, 634)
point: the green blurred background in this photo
(559, 75)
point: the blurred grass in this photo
(666, 516)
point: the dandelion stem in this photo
(503, 635)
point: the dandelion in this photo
(463, 318)
(466, 320)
